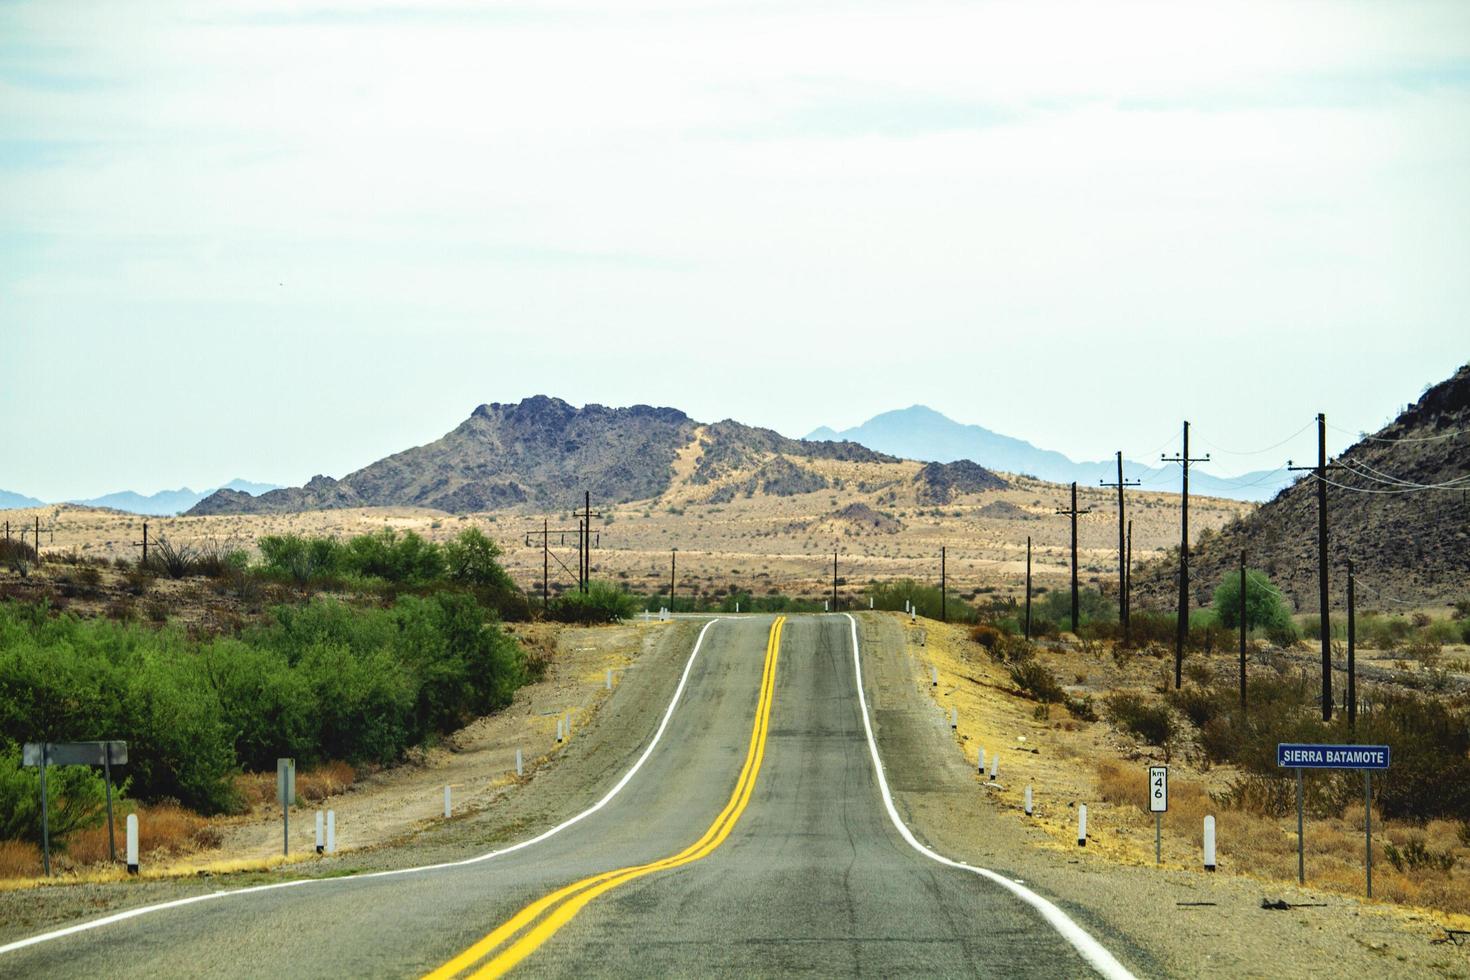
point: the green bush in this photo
(1263, 606)
(603, 602)
(321, 681)
(405, 559)
(75, 799)
(1056, 608)
(892, 595)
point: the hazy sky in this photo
(273, 239)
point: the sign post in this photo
(1158, 802)
(1291, 755)
(286, 794)
(46, 754)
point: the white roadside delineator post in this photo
(981, 764)
(934, 677)
(519, 770)
(558, 731)
(1028, 799)
(954, 718)
(994, 764)
(1209, 843)
(331, 831)
(320, 828)
(132, 846)
(1082, 825)
(870, 602)
(448, 805)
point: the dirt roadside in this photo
(1170, 921)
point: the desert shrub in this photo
(987, 636)
(603, 602)
(173, 560)
(403, 559)
(892, 595)
(301, 560)
(1198, 703)
(1415, 855)
(324, 680)
(1152, 723)
(1083, 708)
(1264, 608)
(1092, 607)
(1035, 681)
(74, 797)
(1267, 795)
(1151, 627)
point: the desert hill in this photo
(542, 452)
(1399, 508)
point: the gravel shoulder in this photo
(1161, 922)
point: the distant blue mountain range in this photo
(924, 434)
(160, 504)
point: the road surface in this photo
(753, 839)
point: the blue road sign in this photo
(1293, 756)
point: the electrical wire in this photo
(1363, 436)
(1255, 452)
(1379, 476)
(1344, 486)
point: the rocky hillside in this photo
(544, 452)
(1399, 508)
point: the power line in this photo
(1344, 486)
(1257, 452)
(1364, 437)
(1389, 479)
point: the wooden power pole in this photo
(1072, 512)
(1122, 545)
(1181, 630)
(1323, 617)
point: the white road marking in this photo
(1089, 948)
(177, 903)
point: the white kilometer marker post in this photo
(1082, 825)
(934, 677)
(982, 762)
(1209, 843)
(447, 803)
(824, 606)
(1028, 799)
(609, 678)
(954, 718)
(994, 765)
(331, 831)
(132, 855)
(320, 825)
(519, 770)
(558, 731)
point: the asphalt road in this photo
(807, 874)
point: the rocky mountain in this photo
(543, 451)
(921, 433)
(1398, 507)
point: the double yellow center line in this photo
(533, 925)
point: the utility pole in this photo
(1122, 544)
(1352, 664)
(37, 539)
(585, 542)
(1073, 512)
(943, 588)
(1241, 613)
(673, 568)
(1322, 612)
(1181, 630)
(587, 538)
(1028, 587)
(545, 565)
(834, 579)
(144, 560)
(1128, 589)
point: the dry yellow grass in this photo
(1090, 763)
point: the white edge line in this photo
(1090, 949)
(176, 903)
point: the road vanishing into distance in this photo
(751, 832)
